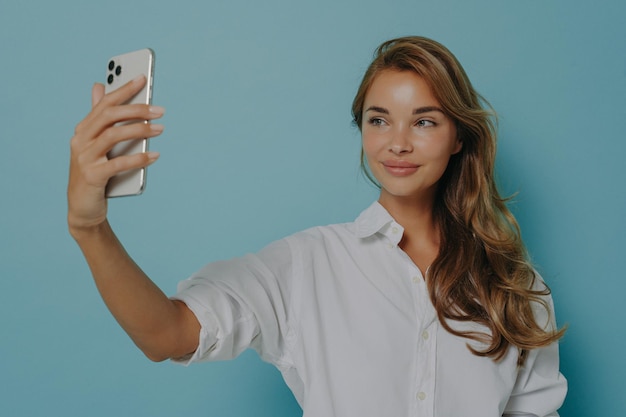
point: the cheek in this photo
(441, 145)
(434, 149)
(370, 144)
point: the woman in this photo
(425, 305)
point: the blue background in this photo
(259, 144)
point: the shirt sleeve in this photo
(540, 388)
(240, 303)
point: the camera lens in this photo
(111, 65)
(110, 79)
(118, 70)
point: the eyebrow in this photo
(418, 110)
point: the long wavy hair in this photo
(482, 273)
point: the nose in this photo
(400, 142)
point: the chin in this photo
(407, 193)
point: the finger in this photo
(100, 101)
(98, 122)
(117, 134)
(102, 172)
(97, 92)
(130, 112)
(125, 92)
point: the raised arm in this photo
(160, 327)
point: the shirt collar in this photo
(376, 219)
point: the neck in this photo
(413, 213)
(421, 234)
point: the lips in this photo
(400, 168)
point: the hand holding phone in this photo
(120, 70)
(91, 165)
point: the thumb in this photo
(97, 92)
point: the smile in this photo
(400, 168)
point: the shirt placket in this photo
(426, 353)
(426, 328)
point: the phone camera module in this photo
(118, 70)
(110, 79)
(111, 65)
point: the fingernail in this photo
(156, 110)
(152, 155)
(139, 79)
(156, 127)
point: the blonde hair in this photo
(482, 273)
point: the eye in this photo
(425, 123)
(376, 121)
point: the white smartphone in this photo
(120, 70)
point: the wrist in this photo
(81, 232)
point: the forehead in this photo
(400, 87)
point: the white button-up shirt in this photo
(345, 315)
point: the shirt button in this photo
(416, 279)
(421, 396)
(390, 245)
(394, 229)
(425, 335)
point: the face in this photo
(407, 138)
